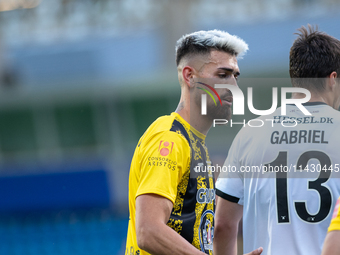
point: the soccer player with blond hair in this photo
(172, 207)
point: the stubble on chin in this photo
(220, 113)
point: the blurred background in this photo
(81, 80)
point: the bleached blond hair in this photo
(202, 42)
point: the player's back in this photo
(287, 210)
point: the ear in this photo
(188, 75)
(332, 80)
(332, 77)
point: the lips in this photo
(228, 99)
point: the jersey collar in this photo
(188, 126)
(311, 103)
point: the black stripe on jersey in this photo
(176, 125)
(227, 197)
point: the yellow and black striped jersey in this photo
(335, 223)
(171, 160)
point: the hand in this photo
(258, 251)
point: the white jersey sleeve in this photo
(229, 184)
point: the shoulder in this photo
(165, 133)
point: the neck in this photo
(316, 97)
(194, 117)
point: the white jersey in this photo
(285, 210)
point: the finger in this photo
(258, 251)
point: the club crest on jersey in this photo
(206, 231)
(165, 148)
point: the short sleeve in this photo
(230, 183)
(163, 161)
(335, 223)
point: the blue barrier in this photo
(54, 191)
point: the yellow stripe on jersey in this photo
(335, 223)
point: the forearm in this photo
(225, 240)
(153, 235)
(331, 245)
(228, 216)
(160, 239)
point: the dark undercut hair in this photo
(314, 54)
(202, 42)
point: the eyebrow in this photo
(229, 70)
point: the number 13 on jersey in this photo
(301, 207)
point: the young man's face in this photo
(218, 68)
